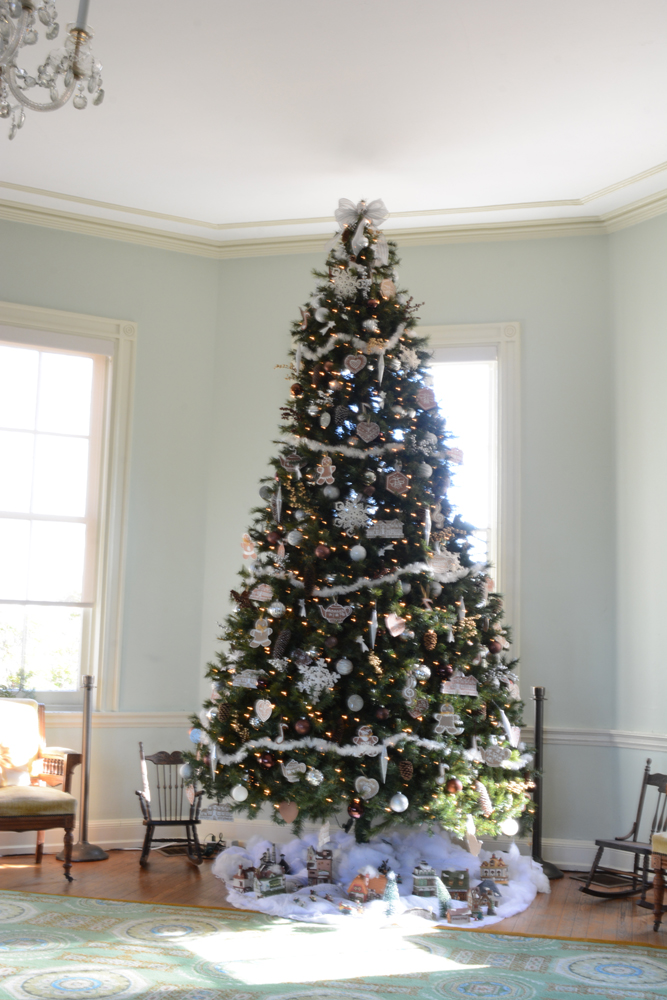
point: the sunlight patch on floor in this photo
(299, 954)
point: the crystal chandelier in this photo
(68, 70)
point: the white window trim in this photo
(506, 338)
(105, 639)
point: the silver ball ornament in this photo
(399, 802)
(355, 702)
(277, 609)
(185, 772)
(255, 722)
(314, 777)
(294, 537)
(331, 492)
(425, 470)
(357, 553)
(239, 793)
(312, 410)
(370, 476)
(405, 587)
(436, 589)
(422, 672)
(265, 492)
(344, 666)
(212, 714)
(300, 515)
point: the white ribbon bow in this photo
(373, 214)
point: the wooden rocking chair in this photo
(620, 884)
(173, 794)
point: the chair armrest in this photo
(58, 765)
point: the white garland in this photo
(342, 449)
(324, 746)
(364, 581)
(361, 345)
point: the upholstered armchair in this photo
(29, 774)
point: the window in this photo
(64, 420)
(476, 381)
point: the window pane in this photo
(41, 647)
(14, 548)
(466, 394)
(12, 626)
(56, 561)
(65, 385)
(61, 476)
(18, 387)
(16, 448)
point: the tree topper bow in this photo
(374, 214)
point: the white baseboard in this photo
(128, 834)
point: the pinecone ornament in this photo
(339, 732)
(406, 770)
(281, 643)
(485, 803)
(224, 713)
(430, 640)
(341, 415)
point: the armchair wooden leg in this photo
(68, 839)
(39, 849)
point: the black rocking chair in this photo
(610, 883)
(172, 790)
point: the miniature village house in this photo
(457, 882)
(363, 888)
(423, 880)
(243, 880)
(269, 879)
(494, 869)
(319, 865)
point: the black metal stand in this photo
(550, 870)
(83, 851)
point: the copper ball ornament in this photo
(444, 671)
(453, 786)
(302, 727)
(328, 366)
(356, 809)
(331, 642)
(369, 490)
(296, 389)
(266, 760)
(382, 713)
(262, 683)
(272, 537)
(322, 551)
(495, 646)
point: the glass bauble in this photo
(399, 802)
(239, 793)
(355, 702)
(344, 666)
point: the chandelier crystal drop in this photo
(70, 70)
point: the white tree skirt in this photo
(403, 850)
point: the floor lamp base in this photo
(83, 851)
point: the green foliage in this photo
(429, 583)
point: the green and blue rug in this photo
(89, 949)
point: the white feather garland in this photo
(324, 746)
(363, 581)
(342, 449)
(361, 345)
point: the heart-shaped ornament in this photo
(263, 709)
(368, 430)
(288, 810)
(367, 787)
(355, 362)
(395, 625)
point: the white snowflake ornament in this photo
(409, 358)
(351, 514)
(315, 679)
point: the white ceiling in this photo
(250, 119)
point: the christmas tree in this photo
(365, 669)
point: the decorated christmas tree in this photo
(365, 672)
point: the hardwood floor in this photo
(563, 913)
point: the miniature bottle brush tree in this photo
(365, 670)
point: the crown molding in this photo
(621, 218)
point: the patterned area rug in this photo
(85, 949)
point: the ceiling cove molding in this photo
(629, 215)
(325, 220)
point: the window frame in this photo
(506, 339)
(76, 332)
